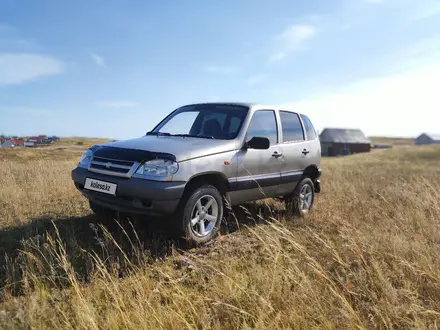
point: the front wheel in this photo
(200, 215)
(302, 198)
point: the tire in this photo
(194, 222)
(301, 201)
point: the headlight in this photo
(86, 158)
(158, 167)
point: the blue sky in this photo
(115, 68)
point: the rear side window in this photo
(310, 130)
(292, 128)
(263, 124)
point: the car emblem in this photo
(108, 165)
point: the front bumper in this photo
(133, 195)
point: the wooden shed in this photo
(343, 141)
(427, 138)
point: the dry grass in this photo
(367, 258)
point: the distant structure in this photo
(7, 144)
(17, 142)
(33, 141)
(340, 141)
(36, 139)
(426, 138)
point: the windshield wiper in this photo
(195, 136)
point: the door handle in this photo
(276, 154)
(305, 151)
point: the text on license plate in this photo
(101, 186)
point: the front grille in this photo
(113, 161)
(113, 167)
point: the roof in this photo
(17, 141)
(434, 137)
(343, 135)
(7, 143)
(242, 104)
(255, 106)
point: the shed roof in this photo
(17, 141)
(343, 135)
(7, 144)
(432, 136)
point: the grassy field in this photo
(394, 141)
(368, 257)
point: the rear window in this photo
(310, 130)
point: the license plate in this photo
(101, 186)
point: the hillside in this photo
(367, 257)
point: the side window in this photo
(311, 133)
(263, 124)
(292, 128)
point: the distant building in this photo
(427, 138)
(7, 144)
(35, 139)
(17, 142)
(340, 141)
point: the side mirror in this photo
(260, 143)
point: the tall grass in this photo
(366, 258)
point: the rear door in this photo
(313, 140)
(295, 149)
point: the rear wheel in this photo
(199, 216)
(301, 201)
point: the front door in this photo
(258, 174)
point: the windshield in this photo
(215, 121)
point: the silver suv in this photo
(199, 159)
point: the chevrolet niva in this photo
(201, 158)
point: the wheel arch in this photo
(312, 172)
(215, 179)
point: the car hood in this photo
(183, 148)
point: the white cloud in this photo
(117, 104)
(404, 104)
(222, 69)
(18, 68)
(252, 80)
(99, 60)
(295, 36)
(292, 39)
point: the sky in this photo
(114, 69)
